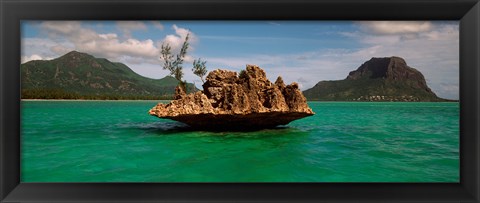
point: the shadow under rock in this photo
(178, 127)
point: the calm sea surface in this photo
(117, 141)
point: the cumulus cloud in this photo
(128, 26)
(45, 47)
(108, 45)
(72, 30)
(176, 40)
(142, 55)
(60, 27)
(304, 68)
(433, 51)
(431, 47)
(60, 50)
(25, 59)
(157, 25)
(131, 25)
(395, 27)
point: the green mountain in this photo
(379, 79)
(78, 75)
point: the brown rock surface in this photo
(237, 102)
(378, 79)
(390, 68)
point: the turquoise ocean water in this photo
(117, 141)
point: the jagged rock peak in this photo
(231, 101)
(388, 67)
(392, 68)
(378, 79)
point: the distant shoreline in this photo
(446, 101)
(450, 101)
(94, 100)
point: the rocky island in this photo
(228, 101)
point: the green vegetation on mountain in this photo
(379, 79)
(78, 75)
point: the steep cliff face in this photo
(379, 79)
(393, 69)
(249, 100)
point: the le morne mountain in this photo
(379, 79)
(78, 75)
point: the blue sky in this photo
(300, 51)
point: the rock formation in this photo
(229, 101)
(390, 68)
(378, 79)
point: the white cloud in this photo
(131, 25)
(395, 27)
(113, 48)
(44, 47)
(61, 27)
(157, 25)
(433, 52)
(304, 68)
(140, 55)
(108, 45)
(429, 47)
(128, 26)
(108, 36)
(176, 40)
(31, 58)
(61, 37)
(60, 50)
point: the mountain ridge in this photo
(77, 75)
(378, 79)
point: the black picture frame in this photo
(13, 11)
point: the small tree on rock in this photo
(174, 63)
(199, 68)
